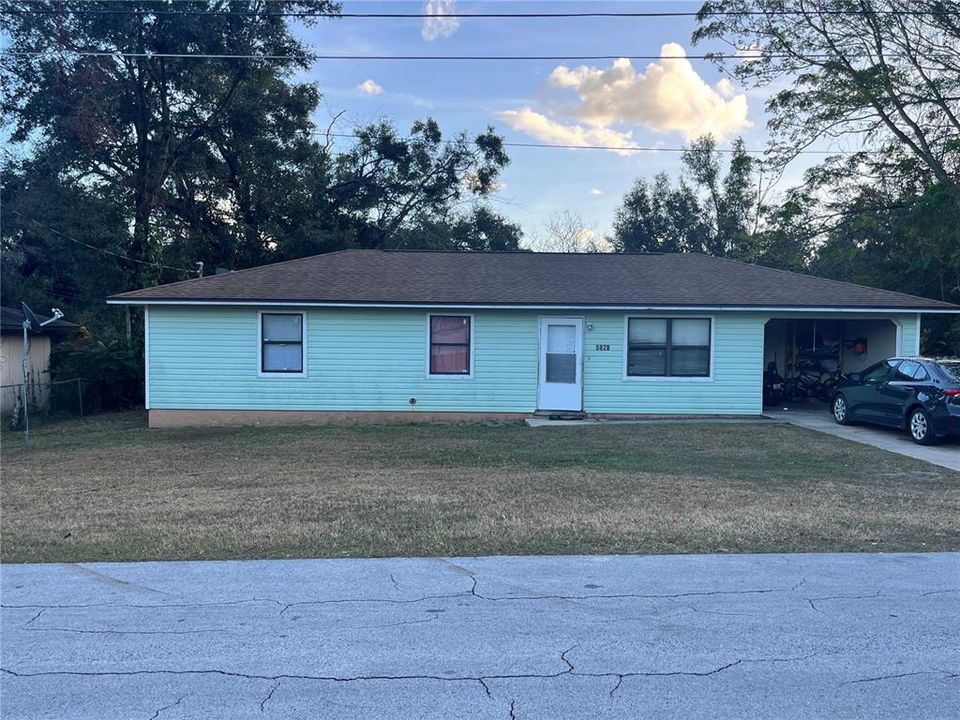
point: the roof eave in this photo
(938, 309)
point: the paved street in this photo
(739, 636)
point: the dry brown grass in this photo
(109, 489)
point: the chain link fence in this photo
(48, 401)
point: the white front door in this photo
(560, 385)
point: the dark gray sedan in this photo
(919, 395)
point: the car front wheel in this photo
(841, 413)
(919, 427)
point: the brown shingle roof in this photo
(11, 319)
(441, 278)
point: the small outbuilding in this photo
(11, 356)
(374, 336)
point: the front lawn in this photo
(107, 488)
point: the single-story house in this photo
(11, 356)
(378, 335)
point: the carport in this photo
(847, 343)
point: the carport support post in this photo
(793, 348)
(843, 341)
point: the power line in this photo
(445, 58)
(475, 15)
(620, 148)
(98, 249)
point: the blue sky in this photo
(649, 103)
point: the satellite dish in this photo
(30, 318)
(31, 322)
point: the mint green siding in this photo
(376, 359)
(735, 386)
(206, 358)
(909, 334)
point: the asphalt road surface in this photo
(707, 636)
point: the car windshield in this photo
(950, 370)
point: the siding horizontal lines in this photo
(734, 388)
(375, 359)
(206, 358)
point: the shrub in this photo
(113, 371)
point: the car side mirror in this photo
(854, 376)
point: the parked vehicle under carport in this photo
(917, 394)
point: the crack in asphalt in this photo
(814, 600)
(126, 632)
(939, 592)
(148, 606)
(513, 714)
(617, 596)
(166, 707)
(480, 679)
(880, 678)
(263, 703)
(695, 609)
(28, 622)
(472, 591)
(432, 618)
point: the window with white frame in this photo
(668, 347)
(449, 345)
(281, 343)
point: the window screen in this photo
(673, 347)
(281, 337)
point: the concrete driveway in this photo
(816, 416)
(740, 636)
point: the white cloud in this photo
(440, 24)
(596, 191)
(369, 87)
(726, 88)
(668, 96)
(550, 131)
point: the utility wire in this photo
(467, 15)
(753, 56)
(98, 249)
(624, 148)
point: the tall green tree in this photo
(730, 201)
(387, 182)
(217, 159)
(883, 73)
(61, 246)
(479, 229)
(127, 95)
(657, 217)
(889, 239)
(706, 211)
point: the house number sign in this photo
(603, 348)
